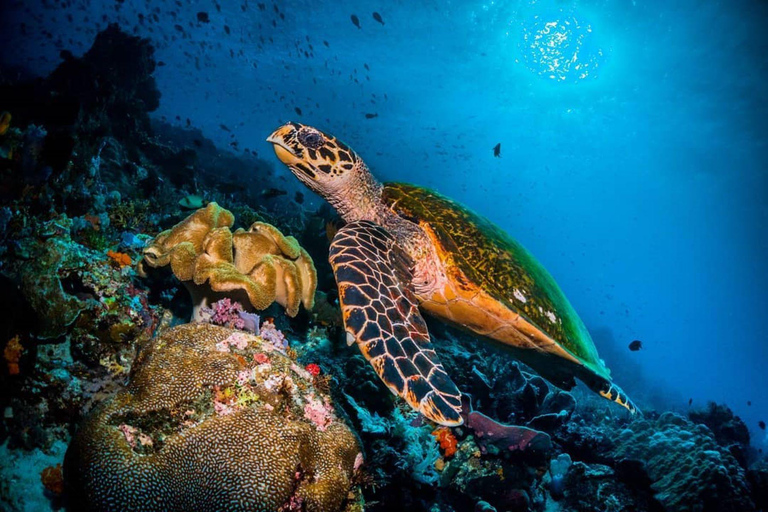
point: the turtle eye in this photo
(311, 139)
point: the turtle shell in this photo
(500, 266)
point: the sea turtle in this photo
(404, 248)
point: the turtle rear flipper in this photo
(381, 315)
(609, 390)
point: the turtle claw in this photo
(381, 315)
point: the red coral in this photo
(53, 479)
(313, 369)
(447, 441)
(12, 354)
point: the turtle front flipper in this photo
(381, 315)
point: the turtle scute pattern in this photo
(258, 457)
(490, 259)
(381, 314)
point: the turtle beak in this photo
(283, 149)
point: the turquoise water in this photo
(636, 172)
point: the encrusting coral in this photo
(688, 469)
(255, 267)
(212, 419)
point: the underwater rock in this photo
(255, 267)
(730, 432)
(689, 470)
(44, 265)
(110, 89)
(595, 487)
(758, 480)
(203, 425)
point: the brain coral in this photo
(255, 267)
(213, 419)
(690, 471)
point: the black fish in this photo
(635, 345)
(224, 127)
(299, 197)
(497, 150)
(377, 17)
(749, 402)
(298, 110)
(371, 116)
(690, 401)
(202, 17)
(270, 193)
(761, 424)
(355, 21)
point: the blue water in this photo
(638, 173)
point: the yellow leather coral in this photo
(255, 267)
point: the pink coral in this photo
(261, 358)
(222, 409)
(130, 434)
(224, 312)
(270, 333)
(244, 376)
(238, 340)
(319, 412)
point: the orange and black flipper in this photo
(381, 315)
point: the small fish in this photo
(761, 424)
(298, 110)
(749, 402)
(371, 116)
(497, 150)
(299, 197)
(202, 17)
(635, 345)
(270, 193)
(377, 17)
(355, 21)
(225, 127)
(690, 401)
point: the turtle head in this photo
(320, 161)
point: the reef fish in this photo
(497, 150)
(761, 424)
(635, 345)
(377, 17)
(355, 21)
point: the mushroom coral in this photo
(257, 267)
(168, 441)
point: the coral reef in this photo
(259, 265)
(220, 429)
(689, 470)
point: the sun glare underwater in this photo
(353, 255)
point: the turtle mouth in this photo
(287, 153)
(282, 148)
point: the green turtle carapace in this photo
(405, 250)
